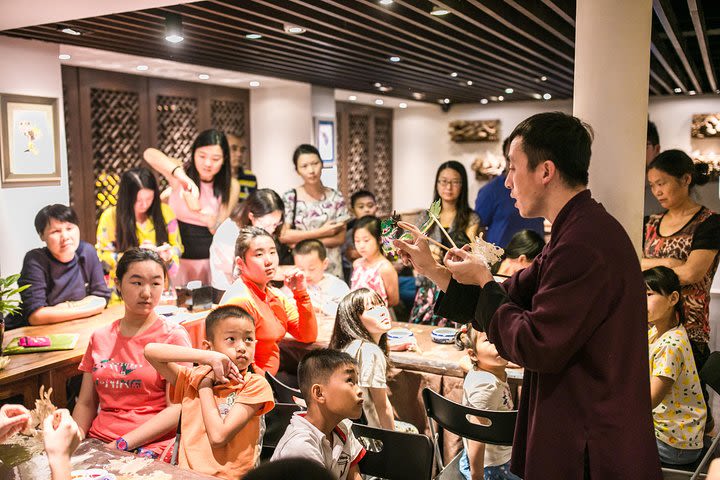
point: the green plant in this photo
(9, 305)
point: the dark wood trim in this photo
(698, 20)
(664, 13)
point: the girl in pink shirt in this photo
(123, 400)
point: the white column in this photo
(612, 68)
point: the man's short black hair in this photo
(317, 366)
(561, 138)
(310, 245)
(653, 138)
(361, 194)
(220, 314)
(58, 211)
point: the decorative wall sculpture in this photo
(705, 125)
(462, 131)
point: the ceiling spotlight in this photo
(537, 96)
(293, 29)
(439, 11)
(386, 2)
(173, 28)
(204, 76)
(501, 98)
(395, 59)
(543, 78)
(352, 98)
(509, 90)
(446, 101)
(385, 89)
(418, 95)
(254, 83)
(469, 82)
(547, 96)
(717, 91)
(677, 90)
(453, 74)
(484, 101)
(64, 56)
(379, 101)
(70, 31)
(692, 92)
(253, 36)
(377, 84)
(402, 105)
(141, 68)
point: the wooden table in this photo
(27, 372)
(90, 454)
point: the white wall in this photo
(29, 68)
(280, 120)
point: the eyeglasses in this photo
(449, 183)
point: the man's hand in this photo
(416, 252)
(467, 267)
(61, 434)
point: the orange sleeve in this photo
(257, 391)
(301, 321)
(177, 391)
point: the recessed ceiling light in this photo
(377, 84)
(509, 90)
(439, 11)
(446, 101)
(142, 68)
(418, 95)
(677, 90)
(204, 76)
(385, 88)
(386, 2)
(253, 36)
(484, 101)
(254, 83)
(71, 31)
(394, 59)
(293, 29)
(402, 105)
(173, 28)
(453, 74)
(469, 82)
(717, 91)
(547, 96)
(543, 78)
(64, 56)
(537, 96)
(692, 92)
(379, 101)
(501, 98)
(352, 98)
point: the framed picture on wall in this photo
(325, 138)
(29, 141)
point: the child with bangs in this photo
(222, 398)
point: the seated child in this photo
(679, 410)
(328, 382)
(222, 399)
(362, 203)
(372, 270)
(485, 387)
(325, 289)
(65, 277)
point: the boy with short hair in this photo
(325, 289)
(328, 382)
(65, 277)
(362, 203)
(222, 399)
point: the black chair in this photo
(498, 428)
(710, 374)
(400, 456)
(276, 422)
(282, 392)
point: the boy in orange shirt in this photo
(222, 399)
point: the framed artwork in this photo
(29, 141)
(325, 138)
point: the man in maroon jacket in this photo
(576, 319)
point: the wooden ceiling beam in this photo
(561, 12)
(567, 37)
(663, 12)
(698, 20)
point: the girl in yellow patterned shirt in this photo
(679, 409)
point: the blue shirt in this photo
(52, 281)
(498, 214)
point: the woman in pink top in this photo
(200, 210)
(123, 400)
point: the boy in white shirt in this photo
(328, 382)
(326, 290)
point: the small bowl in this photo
(443, 335)
(399, 333)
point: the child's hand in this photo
(60, 434)
(295, 280)
(224, 370)
(13, 418)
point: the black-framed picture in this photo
(325, 138)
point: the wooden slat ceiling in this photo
(526, 45)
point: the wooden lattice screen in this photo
(365, 152)
(228, 116)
